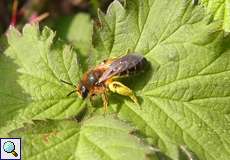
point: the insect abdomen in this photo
(136, 64)
(139, 67)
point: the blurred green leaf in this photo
(220, 9)
(97, 138)
(77, 30)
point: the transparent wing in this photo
(120, 65)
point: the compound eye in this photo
(84, 92)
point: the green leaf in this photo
(31, 69)
(96, 138)
(220, 9)
(77, 30)
(185, 96)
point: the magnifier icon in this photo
(9, 147)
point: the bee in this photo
(103, 78)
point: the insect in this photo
(103, 78)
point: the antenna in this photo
(71, 84)
(70, 93)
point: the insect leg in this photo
(105, 102)
(128, 51)
(121, 89)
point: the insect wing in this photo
(121, 65)
(112, 71)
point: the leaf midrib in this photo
(148, 93)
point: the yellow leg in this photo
(128, 51)
(121, 89)
(105, 102)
